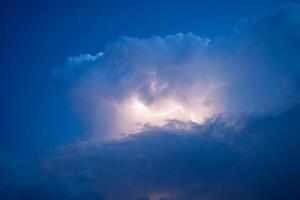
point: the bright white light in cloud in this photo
(137, 83)
(158, 117)
(134, 113)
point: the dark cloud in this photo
(256, 157)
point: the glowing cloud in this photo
(160, 117)
(136, 83)
(183, 77)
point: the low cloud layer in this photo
(255, 158)
(245, 86)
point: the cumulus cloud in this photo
(159, 73)
(135, 80)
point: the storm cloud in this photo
(246, 85)
(250, 69)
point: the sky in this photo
(149, 100)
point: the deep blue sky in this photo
(37, 36)
(54, 145)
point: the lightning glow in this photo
(143, 108)
(135, 113)
(158, 117)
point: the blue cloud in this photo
(257, 157)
